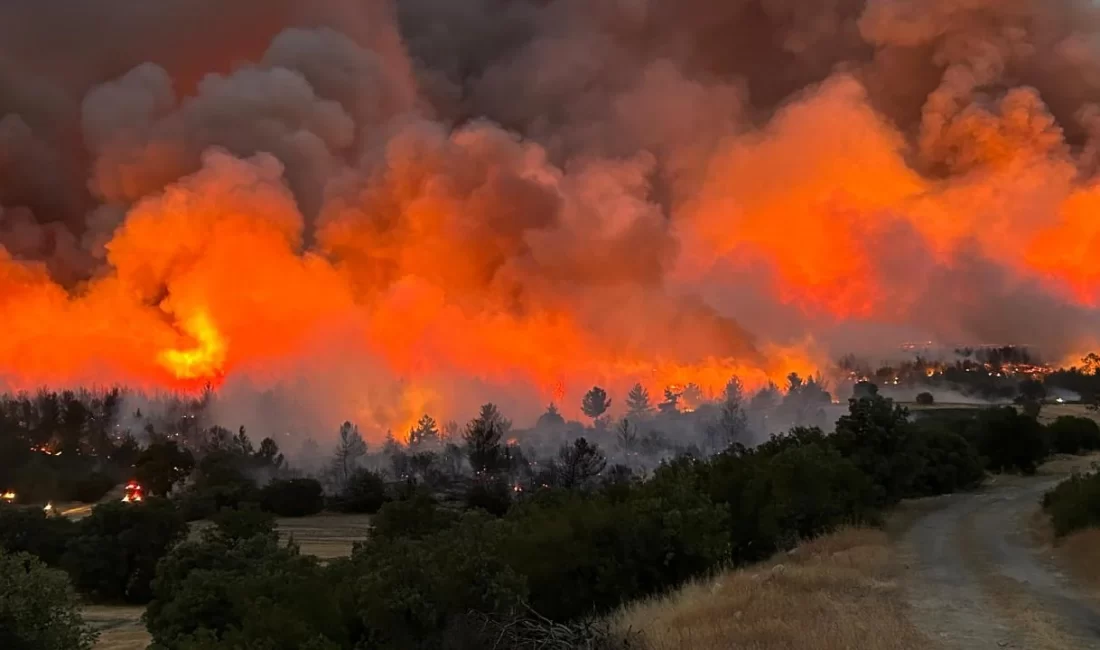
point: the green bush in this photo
(220, 481)
(114, 551)
(1072, 435)
(365, 492)
(876, 436)
(416, 517)
(949, 463)
(774, 501)
(244, 523)
(1008, 440)
(29, 530)
(38, 608)
(584, 554)
(228, 591)
(163, 465)
(1074, 504)
(296, 497)
(490, 493)
(418, 593)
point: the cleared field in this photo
(837, 592)
(327, 535)
(120, 627)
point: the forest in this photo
(478, 532)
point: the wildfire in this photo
(133, 493)
(203, 361)
(8, 496)
(280, 226)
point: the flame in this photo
(439, 268)
(206, 359)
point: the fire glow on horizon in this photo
(384, 219)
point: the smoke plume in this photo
(369, 210)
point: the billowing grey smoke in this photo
(700, 184)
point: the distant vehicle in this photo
(134, 492)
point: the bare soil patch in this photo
(120, 627)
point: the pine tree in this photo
(424, 433)
(626, 435)
(595, 402)
(637, 401)
(732, 424)
(484, 446)
(672, 401)
(551, 418)
(578, 464)
(350, 448)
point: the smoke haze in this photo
(373, 209)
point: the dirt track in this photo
(977, 578)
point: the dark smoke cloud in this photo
(847, 171)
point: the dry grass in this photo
(836, 592)
(1080, 553)
(328, 535)
(120, 628)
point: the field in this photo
(841, 590)
(327, 535)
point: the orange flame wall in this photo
(676, 195)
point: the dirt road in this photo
(977, 578)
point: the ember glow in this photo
(377, 210)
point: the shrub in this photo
(220, 482)
(416, 517)
(950, 463)
(876, 436)
(162, 465)
(38, 608)
(114, 551)
(244, 592)
(1009, 441)
(491, 494)
(588, 554)
(925, 399)
(29, 530)
(244, 523)
(1074, 504)
(418, 593)
(1071, 435)
(365, 492)
(296, 497)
